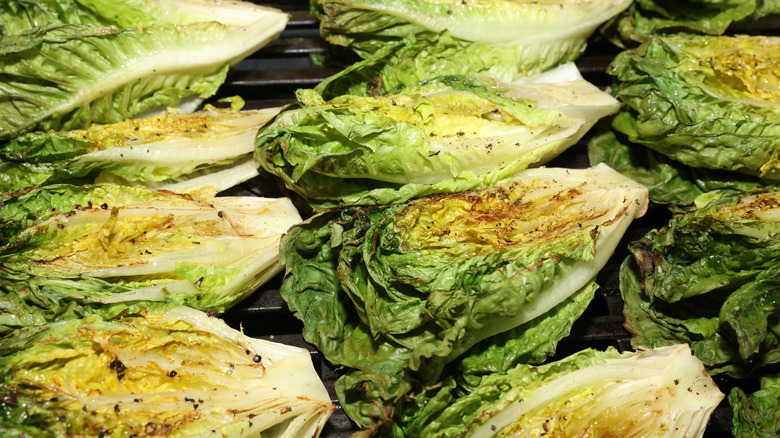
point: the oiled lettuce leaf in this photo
(169, 151)
(68, 250)
(756, 414)
(668, 181)
(176, 374)
(445, 135)
(704, 101)
(709, 278)
(647, 18)
(18, 16)
(527, 36)
(67, 76)
(664, 392)
(397, 292)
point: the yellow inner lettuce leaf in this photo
(742, 68)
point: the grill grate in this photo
(270, 77)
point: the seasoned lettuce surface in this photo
(172, 150)
(70, 250)
(65, 75)
(178, 373)
(704, 101)
(710, 278)
(445, 135)
(395, 293)
(528, 36)
(664, 392)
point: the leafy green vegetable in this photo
(647, 18)
(168, 151)
(527, 37)
(663, 392)
(756, 415)
(668, 181)
(397, 292)
(710, 278)
(69, 250)
(66, 76)
(704, 101)
(19, 16)
(446, 135)
(175, 374)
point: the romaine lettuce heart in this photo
(110, 249)
(178, 373)
(397, 292)
(444, 135)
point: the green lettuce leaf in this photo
(445, 135)
(534, 36)
(590, 393)
(66, 76)
(178, 373)
(704, 101)
(170, 151)
(70, 250)
(398, 292)
(755, 415)
(709, 278)
(647, 18)
(668, 181)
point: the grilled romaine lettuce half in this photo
(525, 36)
(645, 19)
(171, 151)
(18, 16)
(756, 415)
(66, 76)
(70, 250)
(395, 293)
(445, 135)
(664, 392)
(177, 374)
(671, 182)
(710, 278)
(704, 101)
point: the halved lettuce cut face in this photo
(711, 102)
(397, 292)
(106, 248)
(67, 76)
(19, 16)
(709, 278)
(445, 135)
(178, 373)
(533, 35)
(664, 392)
(174, 150)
